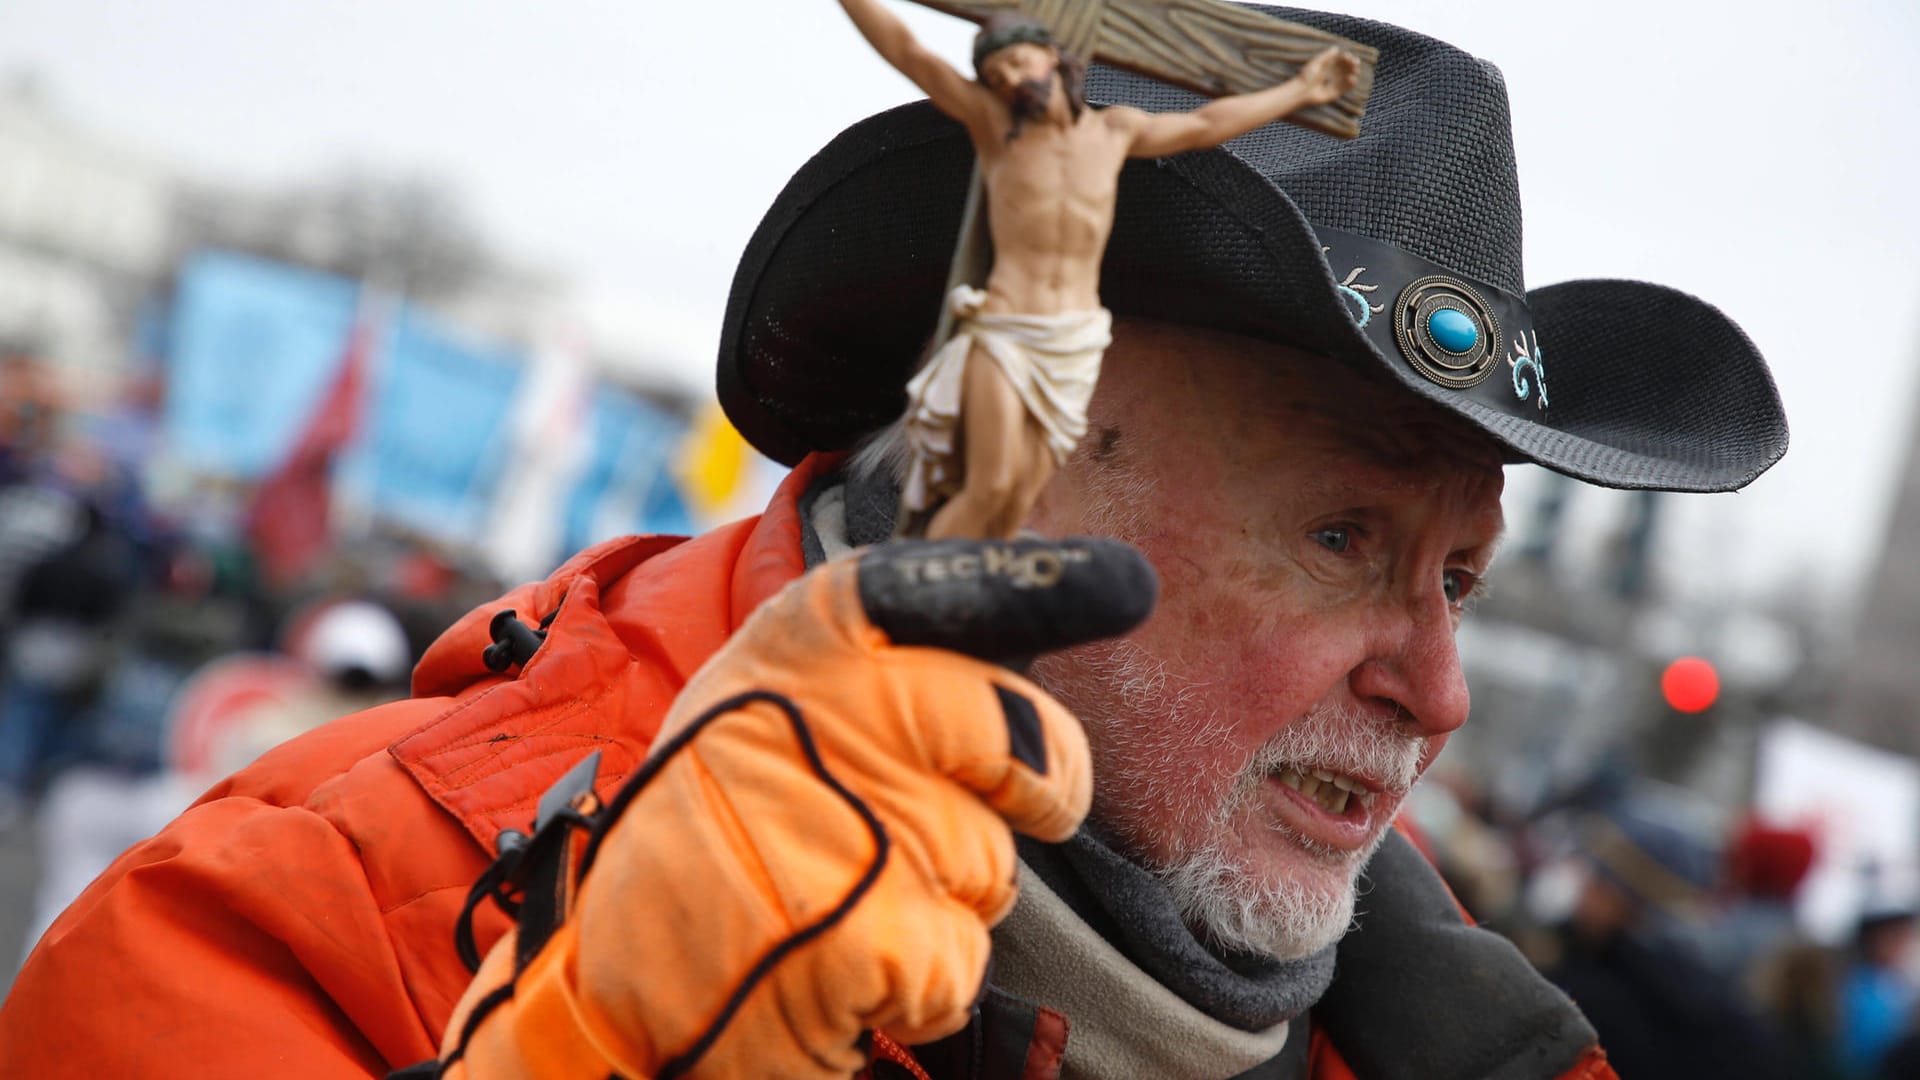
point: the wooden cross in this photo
(1208, 46)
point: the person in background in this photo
(62, 609)
(1765, 866)
(1877, 993)
(1757, 946)
(1660, 1011)
(359, 657)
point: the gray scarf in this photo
(1136, 914)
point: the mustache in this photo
(1343, 741)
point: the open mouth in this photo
(1332, 791)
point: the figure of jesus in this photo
(999, 407)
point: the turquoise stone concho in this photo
(1454, 330)
(1447, 331)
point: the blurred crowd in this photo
(143, 653)
(1679, 937)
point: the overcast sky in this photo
(1761, 155)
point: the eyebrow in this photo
(1382, 479)
(1491, 545)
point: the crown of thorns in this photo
(1006, 34)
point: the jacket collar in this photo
(628, 622)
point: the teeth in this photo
(1330, 790)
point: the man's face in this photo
(1023, 76)
(1317, 535)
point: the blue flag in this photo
(436, 437)
(253, 346)
(627, 484)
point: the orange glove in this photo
(820, 840)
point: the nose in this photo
(1415, 665)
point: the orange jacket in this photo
(299, 917)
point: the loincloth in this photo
(1052, 362)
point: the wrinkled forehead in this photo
(1262, 393)
(1374, 437)
(1386, 427)
(1415, 457)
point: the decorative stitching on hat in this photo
(1351, 288)
(1523, 358)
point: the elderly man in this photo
(800, 830)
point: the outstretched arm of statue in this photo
(950, 91)
(1325, 78)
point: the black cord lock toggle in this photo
(514, 642)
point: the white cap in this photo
(355, 634)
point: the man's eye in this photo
(1335, 539)
(1457, 584)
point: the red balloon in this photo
(1690, 684)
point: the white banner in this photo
(1864, 804)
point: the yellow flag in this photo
(713, 459)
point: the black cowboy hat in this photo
(1397, 252)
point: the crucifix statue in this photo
(1002, 401)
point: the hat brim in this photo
(842, 283)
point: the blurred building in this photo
(1878, 691)
(92, 232)
(86, 234)
(406, 235)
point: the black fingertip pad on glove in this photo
(1006, 601)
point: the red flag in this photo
(288, 520)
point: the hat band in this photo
(1455, 331)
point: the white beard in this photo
(1240, 911)
(1149, 714)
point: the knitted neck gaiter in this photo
(1133, 910)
